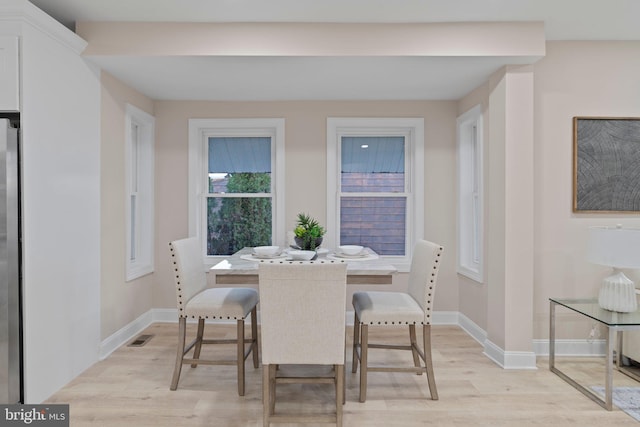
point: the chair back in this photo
(423, 275)
(302, 311)
(188, 272)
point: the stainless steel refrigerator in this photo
(10, 262)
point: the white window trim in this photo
(470, 160)
(142, 263)
(199, 132)
(413, 128)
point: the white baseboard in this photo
(510, 359)
(165, 315)
(505, 359)
(588, 348)
(125, 334)
(446, 318)
(470, 327)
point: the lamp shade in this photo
(614, 246)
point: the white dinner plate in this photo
(267, 256)
(254, 257)
(343, 255)
(365, 257)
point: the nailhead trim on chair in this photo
(394, 323)
(319, 261)
(173, 255)
(433, 274)
(216, 317)
(178, 281)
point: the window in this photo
(470, 194)
(375, 184)
(236, 169)
(139, 194)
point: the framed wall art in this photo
(606, 164)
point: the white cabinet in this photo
(9, 74)
(57, 92)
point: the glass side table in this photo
(615, 323)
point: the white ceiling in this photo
(362, 78)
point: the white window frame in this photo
(199, 132)
(139, 192)
(470, 195)
(413, 130)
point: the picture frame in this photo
(606, 164)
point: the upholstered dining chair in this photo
(302, 322)
(380, 309)
(196, 301)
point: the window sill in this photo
(476, 276)
(138, 272)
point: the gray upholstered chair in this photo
(379, 309)
(196, 301)
(302, 322)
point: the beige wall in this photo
(121, 302)
(305, 136)
(574, 79)
(491, 39)
(305, 142)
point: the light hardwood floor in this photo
(131, 388)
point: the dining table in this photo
(367, 269)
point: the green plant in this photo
(308, 231)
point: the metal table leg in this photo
(552, 335)
(608, 386)
(607, 403)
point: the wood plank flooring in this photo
(131, 388)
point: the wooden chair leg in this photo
(182, 333)
(272, 388)
(266, 395)
(414, 345)
(364, 344)
(254, 336)
(356, 343)
(240, 356)
(426, 338)
(344, 384)
(199, 338)
(339, 371)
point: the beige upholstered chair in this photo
(380, 309)
(196, 301)
(302, 322)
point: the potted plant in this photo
(308, 232)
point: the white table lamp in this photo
(618, 248)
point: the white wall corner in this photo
(504, 359)
(510, 359)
